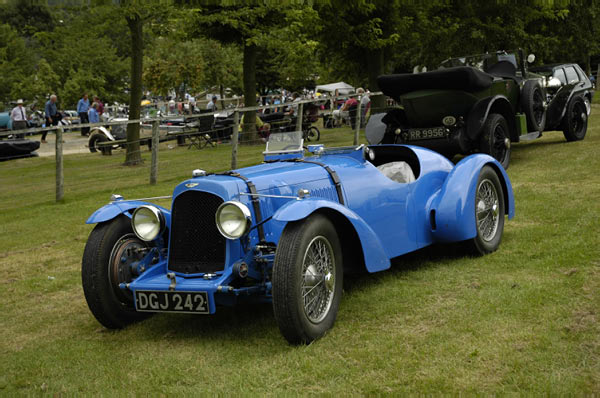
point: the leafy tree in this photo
(222, 67)
(16, 64)
(358, 34)
(170, 64)
(27, 17)
(249, 26)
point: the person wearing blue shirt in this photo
(82, 109)
(93, 113)
(52, 115)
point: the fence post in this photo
(59, 165)
(234, 139)
(154, 165)
(299, 116)
(357, 121)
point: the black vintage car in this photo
(479, 103)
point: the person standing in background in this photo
(19, 118)
(82, 109)
(212, 105)
(100, 105)
(52, 116)
(93, 113)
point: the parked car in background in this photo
(480, 103)
(5, 120)
(71, 116)
(573, 83)
(286, 231)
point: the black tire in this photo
(313, 134)
(533, 105)
(574, 123)
(489, 213)
(299, 321)
(94, 139)
(101, 274)
(494, 139)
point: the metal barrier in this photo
(154, 140)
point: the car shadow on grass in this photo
(427, 257)
(253, 323)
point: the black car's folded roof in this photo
(458, 78)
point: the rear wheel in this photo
(574, 123)
(307, 279)
(109, 252)
(489, 213)
(495, 139)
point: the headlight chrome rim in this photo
(156, 219)
(244, 221)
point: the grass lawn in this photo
(523, 319)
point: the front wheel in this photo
(489, 213)
(575, 120)
(495, 139)
(96, 138)
(110, 250)
(307, 279)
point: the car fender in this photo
(480, 111)
(102, 130)
(452, 209)
(126, 207)
(374, 254)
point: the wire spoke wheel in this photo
(538, 107)
(318, 279)
(487, 210)
(490, 209)
(307, 279)
(495, 139)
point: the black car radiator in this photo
(196, 246)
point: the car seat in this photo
(398, 171)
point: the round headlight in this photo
(233, 219)
(147, 222)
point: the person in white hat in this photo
(19, 117)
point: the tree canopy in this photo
(260, 46)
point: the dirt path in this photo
(73, 143)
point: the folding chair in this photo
(201, 139)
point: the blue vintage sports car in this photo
(287, 230)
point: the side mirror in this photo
(531, 58)
(553, 82)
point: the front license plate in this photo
(161, 301)
(426, 134)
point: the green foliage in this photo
(16, 64)
(169, 65)
(40, 85)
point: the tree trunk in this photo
(375, 62)
(133, 155)
(249, 134)
(222, 92)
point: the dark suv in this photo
(477, 103)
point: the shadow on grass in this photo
(427, 257)
(253, 323)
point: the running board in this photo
(530, 136)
